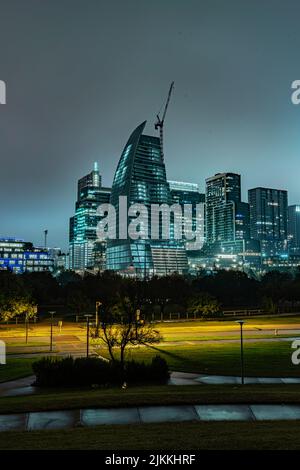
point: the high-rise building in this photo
(226, 216)
(141, 177)
(83, 224)
(294, 229)
(268, 220)
(20, 256)
(227, 225)
(188, 194)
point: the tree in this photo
(204, 305)
(11, 307)
(78, 302)
(120, 325)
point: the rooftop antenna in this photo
(45, 238)
(160, 121)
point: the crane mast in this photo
(160, 121)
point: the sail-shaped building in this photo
(141, 177)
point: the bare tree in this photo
(121, 325)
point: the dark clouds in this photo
(81, 74)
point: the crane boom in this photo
(168, 100)
(160, 121)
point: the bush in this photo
(69, 372)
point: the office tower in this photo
(226, 216)
(20, 256)
(82, 234)
(268, 220)
(141, 177)
(188, 194)
(294, 229)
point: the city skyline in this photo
(230, 111)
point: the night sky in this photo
(82, 74)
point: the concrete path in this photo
(145, 414)
(17, 387)
(183, 378)
(24, 386)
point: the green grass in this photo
(173, 436)
(150, 395)
(263, 358)
(16, 368)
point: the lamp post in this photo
(241, 323)
(26, 328)
(88, 316)
(51, 331)
(98, 303)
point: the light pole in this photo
(98, 303)
(51, 331)
(87, 316)
(241, 323)
(26, 328)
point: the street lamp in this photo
(241, 323)
(87, 316)
(26, 328)
(51, 331)
(98, 303)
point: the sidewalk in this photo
(184, 378)
(24, 386)
(39, 421)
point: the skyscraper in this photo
(268, 220)
(226, 216)
(141, 177)
(83, 224)
(294, 229)
(188, 194)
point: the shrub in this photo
(69, 372)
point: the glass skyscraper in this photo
(227, 224)
(188, 194)
(294, 229)
(84, 252)
(268, 220)
(226, 216)
(141, 177)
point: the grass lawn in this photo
(56, 399)
(174, 436)
(263, 358)
(193, 330)
(16, 368)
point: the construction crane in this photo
(160, 121)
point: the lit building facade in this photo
(141, 177)
(294, 229)
(188, 194)
(268, 220)
(20, 256)
(227, 224)
(82, 233)
(226, 216)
